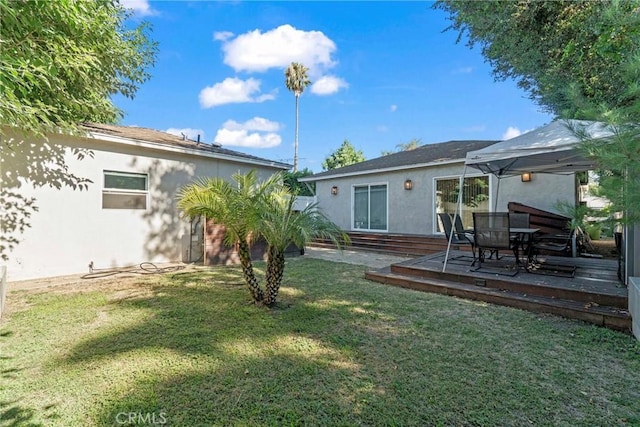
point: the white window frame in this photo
(353, 206)
(434, 186)
(124, 191)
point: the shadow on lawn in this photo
(274, 390)
(12, 415)
(243, 363)
(203, 312)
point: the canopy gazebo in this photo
(549, 149)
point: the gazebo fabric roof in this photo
(548, 149)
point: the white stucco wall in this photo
(71, 229)
(413, 211)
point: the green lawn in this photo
(187, 349)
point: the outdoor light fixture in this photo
(526, 177)
(408, 185)
(334, 190)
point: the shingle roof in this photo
(425, 154)
(163, 138)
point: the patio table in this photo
(524, 240)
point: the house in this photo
(403, 192)
(127, 214)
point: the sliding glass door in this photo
(370, 207)
(475, 198)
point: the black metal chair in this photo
(458, 238)
(559, 245)
(457, 223)
(491, 233)
(518, 220)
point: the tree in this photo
(299, 188)
(234, 207)
(549, 46)
(407, 146)
(296, 81)
(343, 156)
(251, 210)
(61, 62)
(578, 60)
(282, 226)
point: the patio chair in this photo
(459, 227)
(491, 233)
(458, 238)
(559, 245)
(518, 220)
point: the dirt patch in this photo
(84, 282)
(605, 247)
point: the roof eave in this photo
(185, 150)
(381, 170)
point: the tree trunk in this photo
(247, 271)
(275, 271)
(295, 151)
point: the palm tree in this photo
(282, 226)
(252, 210)
(234, 207)
(296, 80)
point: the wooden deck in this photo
(594, 294)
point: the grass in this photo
(187, 349)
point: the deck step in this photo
(545, 286)
(611, 317)
(397, 244)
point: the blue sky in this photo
(383, 73)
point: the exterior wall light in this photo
(334, 190)
(408, 185)
(526, 177)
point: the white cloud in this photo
(140, 7)
(190, 133)
(463, 70)
(511, 132)
(222, 35)
(393, 108)
(233, 90)
(255, 51)
(328, 85)
(257, 132)
(257, 123)
(382, 128)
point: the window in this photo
(123, 190)
(475, 198)
(370, 207)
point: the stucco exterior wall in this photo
(544, 191)
(413, 212)
(71, 229)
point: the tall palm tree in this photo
(282, 226)
(234, 207)
(296, 80)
